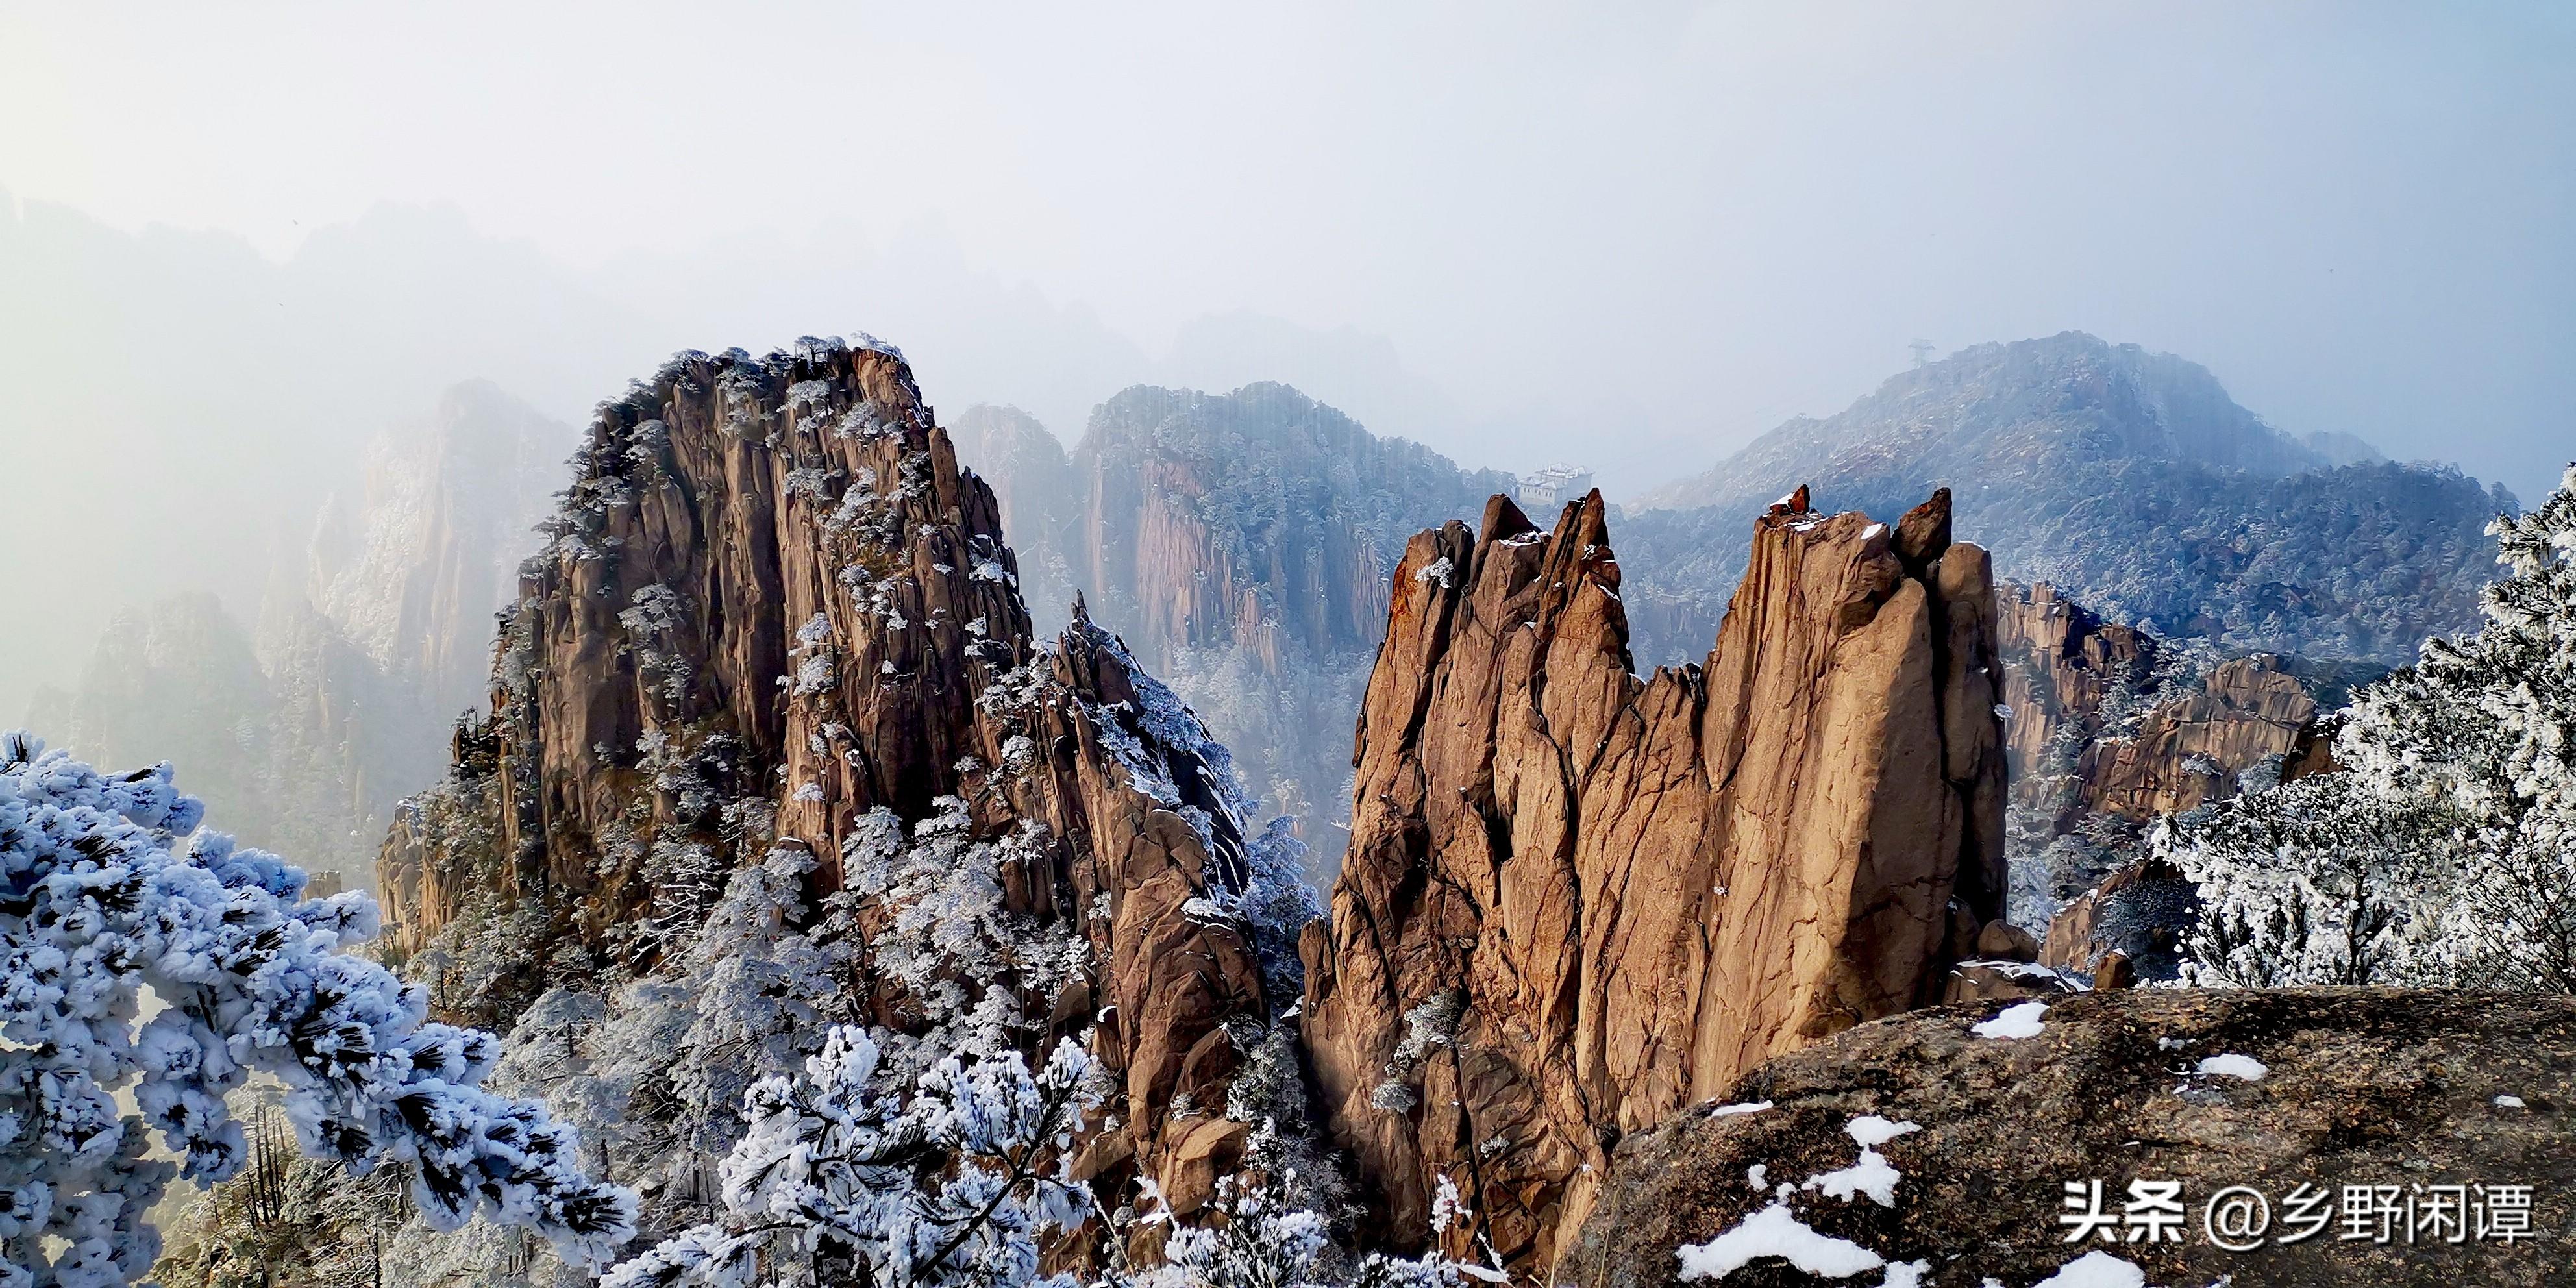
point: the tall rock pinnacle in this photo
(1577, 901)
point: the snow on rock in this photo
(2095, 1270)
(1871, 1174)
(1748, 1107)
(1775, 1231)
(2018, 1021)
(2509, 1102)
(2243, 1067)
(1906, 1274)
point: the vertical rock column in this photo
(1577, 901)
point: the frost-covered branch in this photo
(951, 1182)
(98, 904)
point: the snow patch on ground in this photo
(2243, 1067)
(2095, 1270)
(2017, 1021)
(1906, 1274)
(1870, 1129)
(2510, 1102)
(1749, 1107)
(1871, 1175)
(1775, 1231)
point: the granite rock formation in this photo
(2110, 727)
(1577, 901)
(772, 603)
(2101, 702)
(2375, 1087)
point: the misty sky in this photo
(1630, 235)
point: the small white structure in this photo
(1543, 492)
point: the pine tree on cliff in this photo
(98, 902)
(2445, 849)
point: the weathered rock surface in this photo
(2189, 752)
(2110, 727)
(2375, 1087)
(1577, 901)
(2139, 913)
(772, 603)
(2062, 664)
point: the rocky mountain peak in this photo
(1578, 900)
(773, 614)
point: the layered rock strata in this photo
(1577, 900)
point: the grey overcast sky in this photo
(1709, 216)
(1633, 235)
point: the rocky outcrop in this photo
(2184, 753)
(1577, 901)
(2062, 665)
(2109, 727)
(773, 603)
(2413, 1091)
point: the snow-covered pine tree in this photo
(2444, 851)
(838, 1180)
(98, 904)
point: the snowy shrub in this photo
(952, 1184)
(98, 904)
(2313, 883)
(2444, 850)
(1259, 1240)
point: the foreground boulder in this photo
(1577, 901)
(1980, 1136)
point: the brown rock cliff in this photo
(1577, 901)
(773, 602)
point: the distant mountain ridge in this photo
(2128, 478)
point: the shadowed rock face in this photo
(2062, 665)
(772, 603)
(1577, 901)
(2361, 1087)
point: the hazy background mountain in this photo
(1241, 543)
(243, 241)
(185, 404)
(368, 638)
(2129, 479)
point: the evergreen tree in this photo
(2444, 849)
(99, 902)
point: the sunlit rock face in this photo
(1578, 900)
(771, 604)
